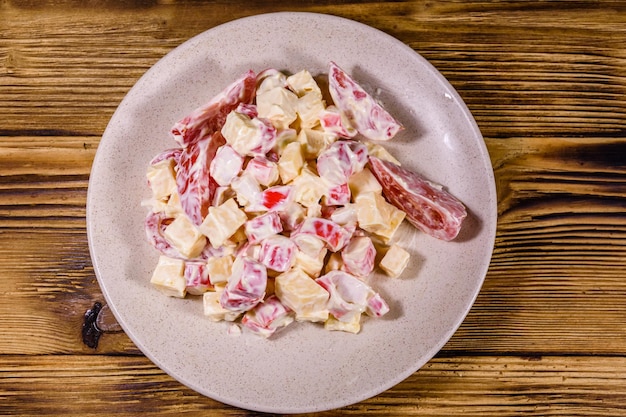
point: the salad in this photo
(279, 201)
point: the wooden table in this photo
(546, 82)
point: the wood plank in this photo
(45, 178)
(446, 386)
(504, 60)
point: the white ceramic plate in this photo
(305, 368)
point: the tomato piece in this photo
(427, 206)
(368, 117)
(210, 117)
(246, 285)
(195, 185)
(167, 154)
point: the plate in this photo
(304, 368)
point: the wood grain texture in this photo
(468, 386)
(546, 82)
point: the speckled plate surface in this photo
(304, 368)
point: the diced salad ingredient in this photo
(274, 211)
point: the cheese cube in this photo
(372, 212)
(364, 182)
(220, 268)
(162, 178)
(247, 189)
(380, 152)
(284, 137)
(173, 207)
(248, 137)
(302, 294)
(290, 162)
(214, 310)
(168, 277)
(309, 107)
(185, 237)
(303, 83)
(222, 222)
(394, 261)
(309, 244)
(310, 263)
(345, 215)
(309, 187)
(395, 218)
(278, 105)
(292, 216)
(240, 132)
(270, 79)
(314, 142)
(352, 326)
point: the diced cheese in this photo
(345, 215)
(309, 187)
(168, 277)
(278, 105)
(214, 310)
(173, 207)
(352, 326)
(220, 268)
(395, 261)
(395, 218)
(247, 189)
(240, 132)
(284, 137)
(162, 179)
(380, 152)
(371, 209)
(185, 237)
(302, 294)
(290, 162)
(377, 216)
(314, 142)
(314, 210)
(222, 222)
(310, 263)
(271, 79)
(363, 182)
(292, 216)
(303, 83)
(309, 244)
(309, 107)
